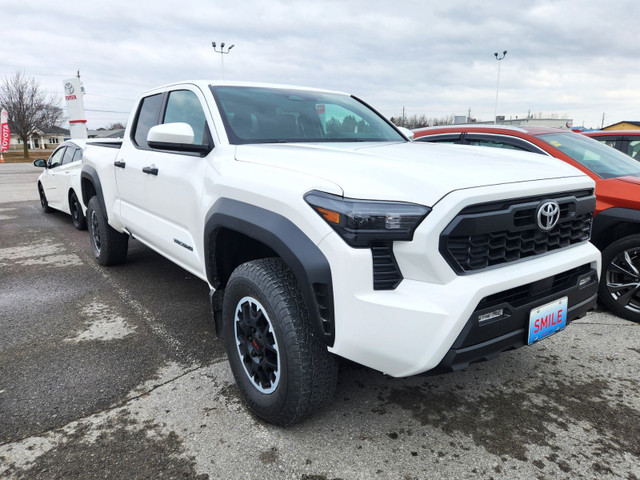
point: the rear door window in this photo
(633, 149)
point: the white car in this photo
(59, 184)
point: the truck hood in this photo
(414, 172)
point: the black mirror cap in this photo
(203, 150)
(42, 163)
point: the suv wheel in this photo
(75, 208)
(283, 372)
(620, 284)
(109, 246)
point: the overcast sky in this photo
(574, 58)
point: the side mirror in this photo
(177, 136)
(171, 133)
(40, 163)
(406, 132)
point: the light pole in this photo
(222, 54)
(495, 113)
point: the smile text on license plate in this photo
(547, 319)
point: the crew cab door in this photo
(161, 189)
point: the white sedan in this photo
(59, 184)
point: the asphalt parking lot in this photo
(117, 373)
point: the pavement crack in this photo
(111, 408)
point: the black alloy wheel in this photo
(283, 371)
(620, 283)
(257, 344)
(43, 200)
(95, 233)
(77, 217)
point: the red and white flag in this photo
(5, 134)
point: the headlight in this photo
(361, 222)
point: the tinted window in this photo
(78, 155)
(607, 141)
(55, 160)
(184, 106)
(68, 155)
(147, 118)
(439, 139)
(602, 160)
(634, 149)
(268, 115)
(495, 144)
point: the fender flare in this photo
(608, 218)
(90, 174)
(308, 263)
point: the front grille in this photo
(489, 235)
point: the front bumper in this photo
(423, 325)
(481, 341)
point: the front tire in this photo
(109, 246)
(77, 217)
(284, 373)
(619, 288)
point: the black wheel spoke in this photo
(616, 268)
(627, 297)
(629, 262)
(617, 287)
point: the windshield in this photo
(279, 115)
(604, 161)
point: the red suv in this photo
(616, 226)
(627, 141)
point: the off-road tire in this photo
(75, 209)
(307, 375)
(109, 246)
(621, 266)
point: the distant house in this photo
(47, 138)
(626, 125)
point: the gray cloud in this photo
(435, 58)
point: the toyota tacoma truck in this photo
(323, 231)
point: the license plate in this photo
(547, 319)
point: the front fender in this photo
(305, 259)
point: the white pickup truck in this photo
(323, 231)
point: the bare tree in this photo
(419, 121)
(29, 108)
(115, 126)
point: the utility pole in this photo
(499, 59)
(222, 54)
(602, 124)
(404, 118)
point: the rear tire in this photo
(619, 288)
(77, 217)
(284, 373)
(43, 200)
(109, 246)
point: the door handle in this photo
(120, 164)
(150, 170)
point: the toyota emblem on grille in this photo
(548, 215)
